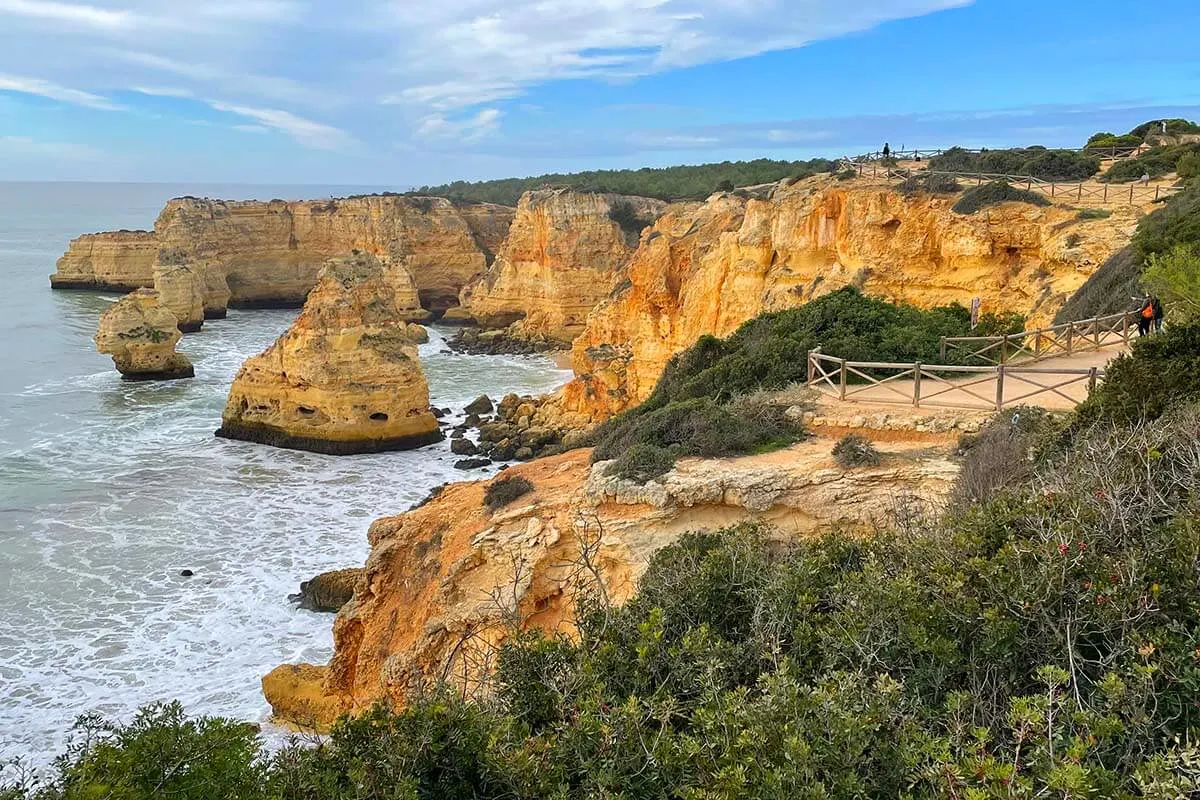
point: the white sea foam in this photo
(108, 489)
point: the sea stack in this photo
(140, 334)
(346, 377)
(181, 289)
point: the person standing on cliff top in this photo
(887, 151)
(1157, 307)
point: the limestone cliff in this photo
(140, 333)
(706, 269)
(560, 259)
(262, 254)
(121, 260)
(345, 377)
(182, 290)
(446, 582)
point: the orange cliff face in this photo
(255, 253)
(560, 258)
(448, 581)
(708, 268)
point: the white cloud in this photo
(159, 91)
(472, 129)
(252, 128)
(304, 131)
(70, 13)
(42, 88)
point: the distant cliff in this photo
(707, 268)
(560, 258)
(261, 254)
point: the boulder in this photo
(140, 334)
(463, 447)
(480, 405)
(472, 463)
(328, 591)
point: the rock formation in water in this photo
(345, 377)
(328, 591)
(561, 257)
(182, 290)
(445, 580)
(264, 254)
(707, 268)
(140, 334)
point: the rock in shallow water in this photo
(328, 591)
(140, 334)
(472, 463)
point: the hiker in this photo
(1145, 314)
(1164, 124)
(1145, 179)
(1157, 306)
(887, 151)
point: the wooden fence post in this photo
(811, 370)
(942, 354)
(1091, 380)
(1106, 192)
(917, 384)
(842, 390)
(1070, 337)
(1004, 349)
(1125, 328)
(1000, 387)
(1037, 345)
(1131, 193)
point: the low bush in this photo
(1188, 166)
(503, 491)
(1002, 456)
(931, 183)
(1155, 162)
(1175, 278)
(1175, 224)
(847, 174)
(990, 194)
(1175, 127)
(642, 462)
(1086, 214)
(626, 215)
(854, 451)
(1111, 140)
(1036, 162)
(1161, 372)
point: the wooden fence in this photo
(1107, 153)
(1078, 192)
(1036, 345)
(917, 384)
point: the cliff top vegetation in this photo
(667, 183)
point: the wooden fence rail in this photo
(1108, 153)
(952, 386)
(1078, 192)
(1057, 340)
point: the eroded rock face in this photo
(560, 258)
(140, 334)
(346, 377)
(121, 260)
(181, 289)
(707, 268)
(269, 254)
(328, 591)
(426, 605)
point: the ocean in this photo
(109, 489)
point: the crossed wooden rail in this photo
(1113, 153)
(1079, 192)
(958, 386)
(1057, 340)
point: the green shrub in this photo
(503, 491)
(1188, 166)
(990, 324)
(996, 192)
(1086, 214)
(847, 174)
(1175, 278)
(1110, 140)
(1175, 127)
(1155, 162)
(1036, 162)
(625, 214)
(642, 462)
(1162, 371)
(854, 451)
(1176, 223)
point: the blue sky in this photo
(409, 92)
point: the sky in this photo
(406, 93)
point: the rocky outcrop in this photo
(448, 581)
(346, 377)
(269, 254)
(181, 289)
(140, 334)
(706, 269)
(120, 260)
(328, 591)
(560, 258)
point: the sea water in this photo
(109, 489)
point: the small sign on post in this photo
(975, 304)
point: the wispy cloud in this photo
(305, 131)
(471, 129)
(28, 146)
(52, 91)
(69, 13)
